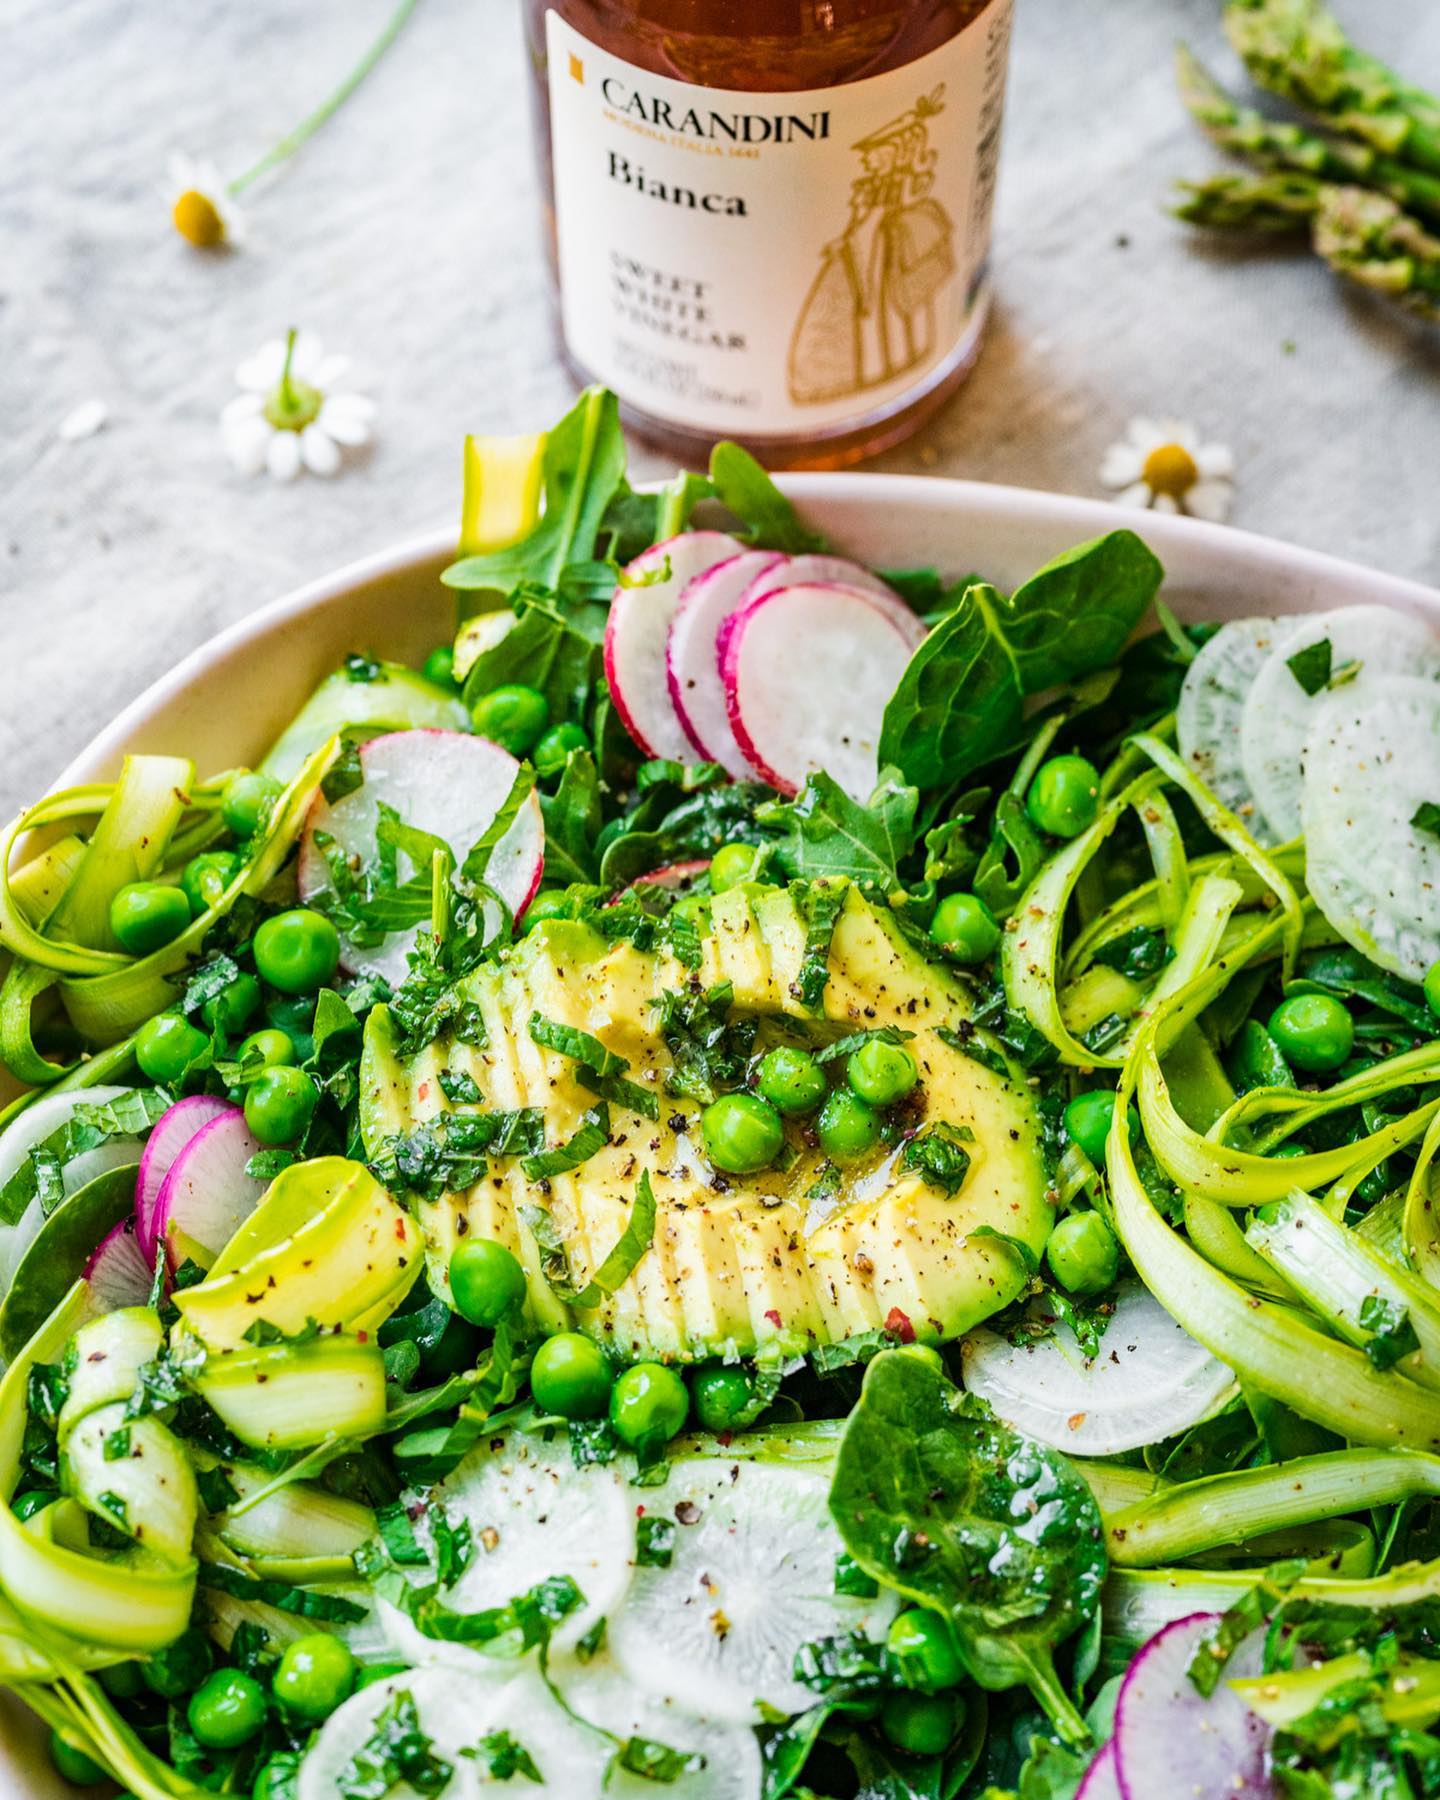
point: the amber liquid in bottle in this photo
(769, 219)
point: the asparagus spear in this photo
(1298, 49)
(1281, 201)
(1366, 236)
(1278, 145)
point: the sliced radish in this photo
(1212, 704)
(443, 782)
(1370, 765)
(803, 571)
(1100, 1781)
(172, 1131)
(674, 878)
(808, 672)
(732, 1770)
(692, 657)
(118, 1272)
(637, 631)
(1162, 1715)
(207, 1195)
(1279, 713)
(1149, 1381)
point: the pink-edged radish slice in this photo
(692, 658)
(1160, 1714)
(1100, 1781)
(675, 878)
(118, 1271)
(637, 632)
(172, 1131)
(207, 1196)
(808, 671)
(798, 571)
(443, 782)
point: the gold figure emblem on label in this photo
(869, 315)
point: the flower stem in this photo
(288, 396)
(307, 127)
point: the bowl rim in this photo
(1005, 505)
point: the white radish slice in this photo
(172, 1131)
(639, 627)
(117, 1271)
(207, 1196)
(1100, 1781)
(455, 1712)
(1150, 1380)
(1370, 762)
(692, 657)
(1212, 703)
(751, 1579)
(808, 672)
(1166, 1728)
(599, 1691)
(540, 1516)
(1278, 713)
(39, 1121)
(443, 782)
(800, 571)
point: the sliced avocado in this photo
(781, 1260)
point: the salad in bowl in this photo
(767, 1177)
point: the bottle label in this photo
(774, 264)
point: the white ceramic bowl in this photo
(228, 701)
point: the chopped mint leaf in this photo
(1426, 817)
(1311, 666)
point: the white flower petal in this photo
(328, 371)
(282, 458)
(180, 172)
(309, 353)
(247, 444)
(83, 421)
(1215, 460)
(1176, 431)
(231, 218)
(1144, 434)
(1165, 503)
(1137, 494)
(319, 452)
(261, 371)
(243, 406)
(1210, 500)
(345, 425)
(1121, 465)
(358, 406)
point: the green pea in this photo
(228, 1010)
(741, 1133)
(552, 905)
(922, 1724)
(270, 1046)
(1314, 1032)
(1087, 1122)
(730, 865)
(486, 1281)
(1432, 987)
(247, 801)
(965, 928)
(648, 1405)
(439, 666)
(721, 1395)
(167, 1046)
(1064, 796)
(881, 1073)
(147, 915)
(1288, 1152)
(73, 1764)
(279, 1104)
(924, 1646)
(297, 951)
(694, 910)
(552, 753)
(314, 1675)
(1082, 1253)
(122, 1681)
(181, 1666)
(514, 717)
(791, 1080)
(205, 878)
(847, 1127)
(227, 1709)
(571, 1377)
(26, 1505)
(1256, 1061)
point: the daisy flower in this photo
(201, 207)
(291, 412)
(1162, 463)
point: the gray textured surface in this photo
(406, 235)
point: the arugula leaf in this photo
(617, 1267)
(573, 819)
(681, 822)
(745, 489)
(824, 833)
(553, 647)
(1311, 665)
(592, 1135)
(395, 1751)
(1012, 858)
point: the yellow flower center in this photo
(198, 220)
(1170, 469)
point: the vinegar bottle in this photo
(770, 219)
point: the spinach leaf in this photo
(744, 488)
(935, 1497)
(823, 832)
(1075, 615)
